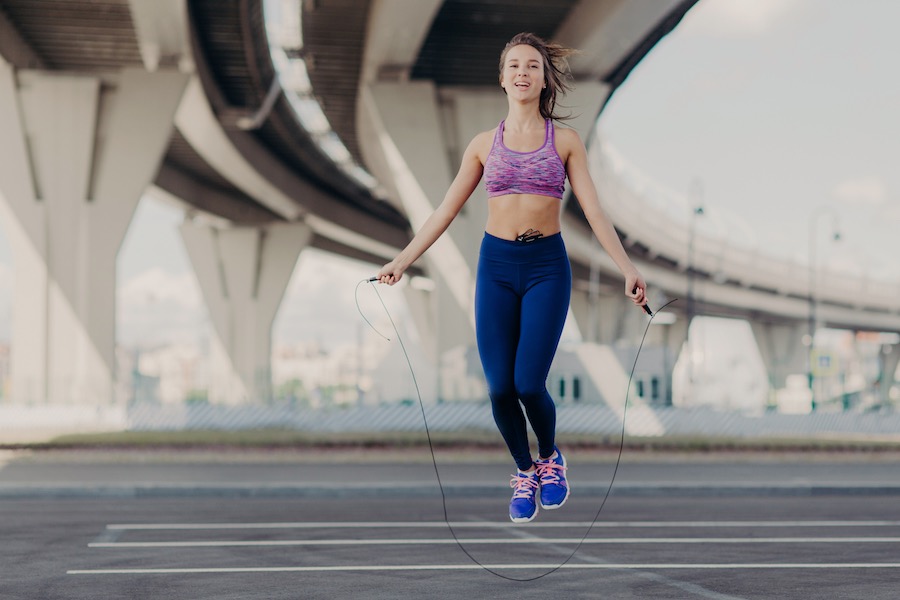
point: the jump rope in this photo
(437, 473)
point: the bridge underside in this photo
(404, 85)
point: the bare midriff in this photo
(512, 215)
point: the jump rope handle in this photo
(645, 306)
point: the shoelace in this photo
(526, 486)
(549, 472)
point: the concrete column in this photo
(76, 154)
(422, 306)
(162, 32)
(412, 160)
(890, 358)
(614, 318)
(609, 377)
(670, 335)
(781, 349)
(243, 273)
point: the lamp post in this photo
(695, 199)
(813, 292)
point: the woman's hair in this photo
(557, 75)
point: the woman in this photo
(524, 279)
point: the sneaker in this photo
(552, 475)
(523, 506)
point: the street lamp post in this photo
(813, 292)
(695, 198)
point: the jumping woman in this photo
(524, 280)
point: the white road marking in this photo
(516, 530)
(492, 524)
(472, 567)
(484, 541)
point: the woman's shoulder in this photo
(486, 137)
(482, 142)
(567, 141)
(566, 134)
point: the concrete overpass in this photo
(102, 99)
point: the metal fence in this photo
(602, 421)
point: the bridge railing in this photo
(723, 246)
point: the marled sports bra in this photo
(509, 172)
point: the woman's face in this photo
(523, 72)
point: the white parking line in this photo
(493, 524)
(503, 541)
(471, 567)
(514, 529)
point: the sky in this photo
(780, 109)
(777, 107)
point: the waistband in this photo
(547, 247)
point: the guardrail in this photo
(658, 217)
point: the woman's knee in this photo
(503, 393)
(529, 388)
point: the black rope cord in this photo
(437, 473)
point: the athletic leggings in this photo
(521, 299)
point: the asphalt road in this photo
(211, 530)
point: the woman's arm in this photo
(584, 189)
(463, 185)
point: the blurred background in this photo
(192, 191)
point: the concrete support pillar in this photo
(782, 350)
(243, 273)
(671, 336)
(421, 308)
(407, 149)
(76, 154)
(609, 377)
(890, 358)
(609, 319)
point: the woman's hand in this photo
(390, 273)
(636, 287)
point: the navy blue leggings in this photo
(522, 296)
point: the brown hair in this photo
(557, 75)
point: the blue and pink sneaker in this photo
(524, 507)
(552, 475)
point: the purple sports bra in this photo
(509, 172)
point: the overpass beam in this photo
(243, 273)
(76, 154)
